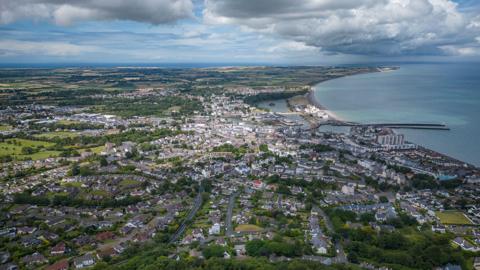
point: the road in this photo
(341, 257)
(193, 211)
(228, 220)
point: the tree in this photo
(263, 148)
(392, 241)
(255, 248)
(27, 150)
(103, 161)
(85, 171)
(213, 251)
(367, 217)
(423, 181)
(75, 170)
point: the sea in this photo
(443, 93)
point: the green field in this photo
(248, 228)
(41, 155)
(98, 149)
(98, 192)
(453, 217)
(13, 147)
(5, 127)
(128, 183)
(59, 134)
(67, 122)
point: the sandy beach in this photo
(314, 102)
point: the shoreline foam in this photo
(314, 102)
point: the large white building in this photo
(391, 139)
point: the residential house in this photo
(4, 256)
(476, 263)
(240, 250)
(215, 229)
(34, 259)
(465, 245)
(9, 266)
(84, 261)
(449, 267)
(58, 249)
(60, 265)
(103, 236)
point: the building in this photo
(84, 261)
(476, 263)
(390, 138)
(465, 245)
(240, 250)
(450, 267)
(58, 249)
(103, 236)
(215, 229)
(60, 265)
(383, 215)
(34, 259)
(4, 256)
(320, 245)
(348, 190)
(9, 266)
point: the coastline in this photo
(310, 96)
(314, 102)
(334, 118)
(309, 99)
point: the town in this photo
(127, 168)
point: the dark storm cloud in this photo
(384, 27)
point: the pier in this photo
(406, 126)
(428, 126)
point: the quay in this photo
(392, 125)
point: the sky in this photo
(238, 31)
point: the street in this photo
(228, 220)
(341, 256)
(196, 206)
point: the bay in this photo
(415, 93)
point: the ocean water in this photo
(415, 93)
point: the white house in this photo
(214, 230)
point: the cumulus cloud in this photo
(289, 47)
(364, 27)
(66, 12)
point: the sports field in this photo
(453, 217)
